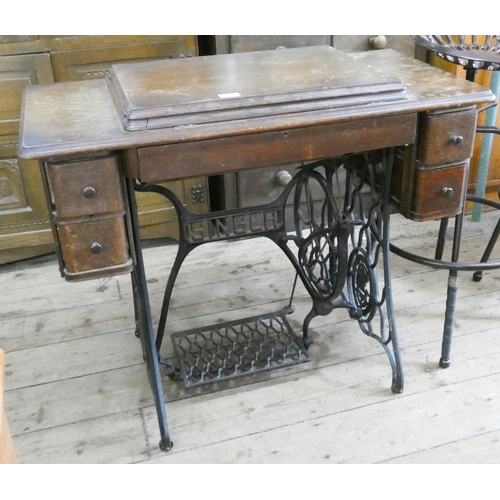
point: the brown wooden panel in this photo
(16, 73)
(12, 195)
(9, 127)
(8, 145)
(359, 43)
(20, 44)
(231, 44)
(24, 219)
(84, 64)
(432, 197)
(155, 209)
(402, 179)
(86, 187)
(446, 137)
(215, 156)
(17, 38)
(180, 45)
(78, 240)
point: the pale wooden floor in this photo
(77, 390)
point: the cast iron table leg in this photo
(144, 322)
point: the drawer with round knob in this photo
(439, 192)
(265, 185)
(89, 247)
(446, 137)
(85, 187)
(89, 217)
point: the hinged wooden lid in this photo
(186, 92)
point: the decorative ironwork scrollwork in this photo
(341, 219)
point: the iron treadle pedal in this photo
(236, 348)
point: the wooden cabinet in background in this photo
(36, 59)
(24, 225)
(231, 44)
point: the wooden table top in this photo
(82, 117)
(167, 93)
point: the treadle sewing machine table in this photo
(370, 130)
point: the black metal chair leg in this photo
(443, 227)
(478, 275)
(451, 299)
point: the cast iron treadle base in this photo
(236, 348)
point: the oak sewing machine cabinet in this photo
(370, 131)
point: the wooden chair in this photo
(7, 453)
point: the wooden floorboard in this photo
(76, 390)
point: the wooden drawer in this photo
(221, 155)
(86, 187)
(439, 192)
(89, 218)
(93, 246)
(262, 185)
(446, 137)
(265, 185)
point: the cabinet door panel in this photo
(16, 73)
(24, 222)
(249, 43)
(157, 216)
(20, 44)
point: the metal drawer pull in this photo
(283, 178)
(88, 192)
(447, 192)
(457, 140)
(96, 248)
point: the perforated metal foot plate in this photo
(233, 349)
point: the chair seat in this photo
(470, 53)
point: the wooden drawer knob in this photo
(447, 192)
(457, 140)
